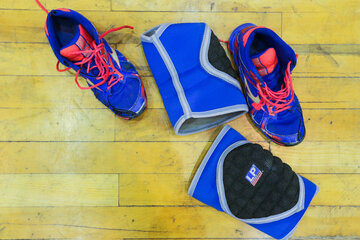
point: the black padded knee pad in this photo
(276, 189)
(250, 184)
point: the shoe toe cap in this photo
(287, 131)
(130, 101)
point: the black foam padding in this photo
(276, 191)
(217, 57)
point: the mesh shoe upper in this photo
(265, 63)
(112, 78)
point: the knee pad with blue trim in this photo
(250, 184)
(195, 78)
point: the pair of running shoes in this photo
(263, 59)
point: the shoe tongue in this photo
(267, 65)
(265, 62)
(82, 41)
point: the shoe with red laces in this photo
(265, 63)
(112, 78)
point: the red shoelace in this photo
(276, 99)
(98, 54)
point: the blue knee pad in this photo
(195, 79)
(250, 184)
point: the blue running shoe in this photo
(265, 63)
(112, 78)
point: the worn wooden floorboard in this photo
(70, 169)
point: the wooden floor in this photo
(70, 169)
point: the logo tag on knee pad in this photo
(253, 175)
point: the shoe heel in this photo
(235, 33)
